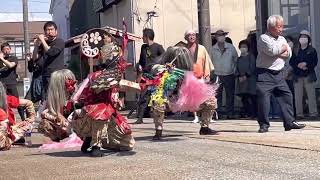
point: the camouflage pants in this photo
(84, 126)
(105, 134)
(158, 113)
(5, 141)
(206, 111)
(54, 128)
(18, 131)
(117, 138)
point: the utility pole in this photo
(204, 24)
(26, 79)
(26, 34)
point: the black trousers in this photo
(273, 83)
(143, 108)
(228, 83)
(45, 85)
(249, 103)
(34, 92)
(13, 91)
(291, 87)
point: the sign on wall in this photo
(26, 86)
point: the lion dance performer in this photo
(93, 108)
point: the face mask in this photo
(303, 41)
(244, 50)
(290, 44)
(221, 39)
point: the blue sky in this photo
(11, 10)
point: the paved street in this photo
(238, 152)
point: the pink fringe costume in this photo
(181, 91)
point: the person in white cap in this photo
(305, 76)
(202, 62)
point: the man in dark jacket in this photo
(51, 49)
(8, 74)
(150, 53)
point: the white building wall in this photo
(177, 16)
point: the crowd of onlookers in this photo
(237, 73)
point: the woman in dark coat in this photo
(246, 79)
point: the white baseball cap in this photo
(305, 32)
(190, 31)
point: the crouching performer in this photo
(10, 131)
(93, 118)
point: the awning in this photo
(115, 32)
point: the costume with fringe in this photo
(96, 119)
(10, 131)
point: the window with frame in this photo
(17, 48)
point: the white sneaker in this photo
(196, 120)
(213, 121)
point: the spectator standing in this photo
(246, 80)
(224, 56)
(305, 76)
(149, 55)
(8, 74)
(50, 48)
(202, 66)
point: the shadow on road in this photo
(165, 138)
(165, 130)
(80, 154)
(132, 123)
(236, 131)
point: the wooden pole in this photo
(91, 64)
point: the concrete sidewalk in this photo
(242, 131)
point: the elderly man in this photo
(225, 57)
(273, 51)
(201, 59)
(202, 66)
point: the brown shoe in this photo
(158, 135)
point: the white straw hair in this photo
(57, 94)
(179, 56)
(273, 19)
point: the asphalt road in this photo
(176, 157)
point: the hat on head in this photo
(220, 32)
(305, 32)
(190, 31)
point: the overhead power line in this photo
(12, 12)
